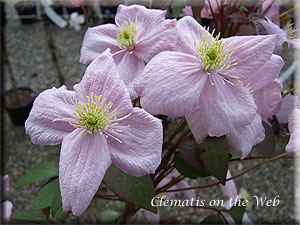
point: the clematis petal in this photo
(171, 84)
(144, 19)
(288, 104)
(84, 159)
(268, 99)
(152, 217)
(251, 53)
(189, 32)
(161, 38)
(138, 154)
(229, 190)
(270, 9)
(129, 67)
(97, 40)
(220, 109)
(101, 78)
(48, 106)
(244, 138)
(266, 74)
(294, 127)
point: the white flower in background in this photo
(76, 20)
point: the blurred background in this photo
(40, 50)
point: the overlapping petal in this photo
(145, 20)
(48, 106)
(270, 9)
(268, 99)
(171, 84)
(101, 78)
(244, 138)
(129, 67)
(189, 32)
(97, 40)
(288, 104)
(220, 109)
(250, 53)
(84, 159)
(266, 74)
(140, 151)
(161, 38)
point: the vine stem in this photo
(86, 16)
(231, 178)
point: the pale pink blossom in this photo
(76, 20)
(266, 91)
(293, 147)
(202, 79)
(72, 3)
(288, 104)
(189, 194)
(230, 191)
(97, 126)
(139, 34)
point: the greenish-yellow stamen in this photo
(94, 115)
(126, 35)
(290, 31)
(213, 54)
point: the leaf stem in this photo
(231, 178)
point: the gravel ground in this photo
(31, 60)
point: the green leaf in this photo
(185, 169)
(215, 155)
(138, 190)
(31, 217)
(189, 152)
(267, 147)
(177, 6)
(41, 172)
(237, 213)
(109, 216)
(45, 195)
(60, 215)
(56, 202)
(213, 219)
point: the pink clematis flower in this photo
(202, 80)
(189, 194)
(266, 92)
(76, 20)
(293, 147)
(288, 104)
(229, 189)
(139, 34)
(96, 125)
(72, 3)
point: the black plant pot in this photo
(18, 103)
(27, 13)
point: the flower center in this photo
(95, 116)
(212, 53)
(126, 36)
